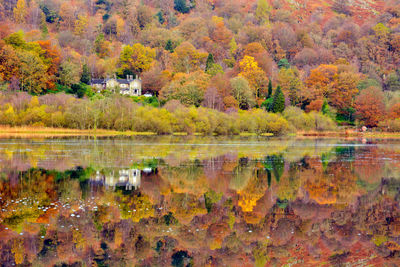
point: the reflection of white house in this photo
(129, 86)
(128, 178)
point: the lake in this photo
(199, 201)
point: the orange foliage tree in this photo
(370, 107)
(319, 82)
(394, 112)
(52, 56)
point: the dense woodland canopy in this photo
(339, 57)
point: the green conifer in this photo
(278, 104)
(209, 62)
(85, 76)
(169, 46)
(269, 89)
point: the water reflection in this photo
(183, 203)
(127, 178)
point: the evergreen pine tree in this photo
(43, 26)
(160, 17)
(180, 6)
(169, 46)
(325, 107)
(269, 89)
(267, 104)
(209, 62)
(85, 77)
(278, 104)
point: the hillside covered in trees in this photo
(340, 58)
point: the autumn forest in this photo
(191, 133)
(211, 66)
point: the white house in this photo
(129, 86)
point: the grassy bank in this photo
(350, 133)
(49, 131)
(29, 131)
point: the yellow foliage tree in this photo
(20, 11)
(136, 58)
(80, 25)
(263, 11)
(256, 77)
(291, 84)
(120, 26)
(187, 58)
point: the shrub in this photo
(390, 125)
(299, 119)
(394, 112)
(322, 123)
(122, 114)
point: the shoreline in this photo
(26, 131)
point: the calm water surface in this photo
(169, 201)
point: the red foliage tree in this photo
(52, 57)
(394, 112)
(370, 107)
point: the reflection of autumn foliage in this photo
(369, 168)
(235, 217)
(216, 234)
(252, 192)
(338, 186)
(18, 250)
(37, 186)
(136, 207)
(185, 179)
(185, 207)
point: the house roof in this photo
(124, 81)
(97, 81)
(120, 81)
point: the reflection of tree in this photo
(253, 190)
(369, 168)
(185, 178)
(325, 158)
(345, 152)
(22, 155)
(335, 185)
(276, 164)
(288, 186)
(18, 250)
(135, 206)
(211, 198)
(241, 175)
(189, 216)
(35, 185)
(185, 206)
(181, 258)
(269, 177)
